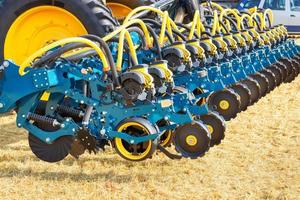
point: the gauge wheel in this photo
(135, 127)
(244, 93)
(192, 140)
(271, 79)
(262, 81)
(216, 127)
(254, 89)
(226, 102)
(277, 73)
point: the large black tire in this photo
(93, 14)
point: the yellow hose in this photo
(124, 33)
(215, 24)
(259, 15)
(244, 17)
(234, 13)
(169, 22)
(126, 25)
(196, 25)
(214, 5)
(43, 50)
(265, 15)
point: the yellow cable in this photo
(244, 17)
(215, 5)
(215, 24)
(43, 50)
(234, 13)
(169, 23)
(124, 33)
(163, 28)
(194, 24)
(265, 15)
(130, 23)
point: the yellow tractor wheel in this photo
(28, 25)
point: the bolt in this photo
(62, 125)
(131, 141)
(5, 63)
(23, 116)
(73, 129)
(47, 140)
(1, 105)
(19, 125)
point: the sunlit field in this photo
(259, 159)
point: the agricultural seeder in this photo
(150, 81)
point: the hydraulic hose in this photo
(107, 51)
(63, 42)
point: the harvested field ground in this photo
(259, 159)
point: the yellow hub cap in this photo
(38, 27)
(224, 105)
(210, 128)
(191, 140)
(119, 143)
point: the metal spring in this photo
(43, 120)
(69, 111)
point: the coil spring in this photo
(69, 111)
(43, 120)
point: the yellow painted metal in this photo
(121, 148)
(119, 11)
(210, 128)
(224, 104)
(168, 135)
(38, 27)
(191, 140)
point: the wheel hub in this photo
(38, 27)
(224, 104)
